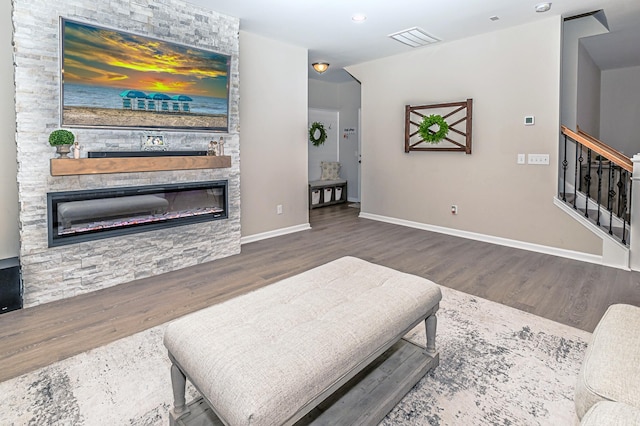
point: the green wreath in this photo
(430, 136)
(317, 127)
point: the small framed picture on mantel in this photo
(154, 142)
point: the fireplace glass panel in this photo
(78, 216)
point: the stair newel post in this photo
(564, 171)
(625, 198)
(599, 188)
(627, 217)
(634, 221)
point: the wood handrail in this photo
(599, 147)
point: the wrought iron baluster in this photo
(581, 159)
(611, 193)
(587, 179)
(599, 188)
(620, 185)
(624, 210)
(576, 177)
(565, 164)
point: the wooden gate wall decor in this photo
(459, 137)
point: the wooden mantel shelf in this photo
(92, 166)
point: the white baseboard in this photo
(569, 254)
(274, 233)
(614, 253)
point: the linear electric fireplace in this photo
(78, 216)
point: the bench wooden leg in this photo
(179, 383)
(431, 323)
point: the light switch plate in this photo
(539, 159)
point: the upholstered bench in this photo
(270, 356)
(611, 367)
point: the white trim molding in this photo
(614, 254)
(274, 233)
(538, 248)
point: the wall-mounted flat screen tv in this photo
(116, 79)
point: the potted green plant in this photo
(62, 140)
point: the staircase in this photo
(594, 186)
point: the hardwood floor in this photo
(570, 292)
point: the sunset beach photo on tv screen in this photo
(117, 79)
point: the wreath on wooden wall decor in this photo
(429, 135)
(317, 134)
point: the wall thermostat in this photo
(529, 120)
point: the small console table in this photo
(327, 192)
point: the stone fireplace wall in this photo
(55, 273)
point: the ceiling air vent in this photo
(414, 37)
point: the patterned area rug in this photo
(498, 366)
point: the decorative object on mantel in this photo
(317, 133)
(216, 148)
(221, 146)
(62, 140)
(213, 148)
(76, 150)
(454, 121)
(154, 143)
(429, 135)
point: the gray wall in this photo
(496, 197)
(9, 242)
(620, 109)
(572, 32)
(273, 110)
(588, 105)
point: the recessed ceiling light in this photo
(494, 18)
(358, 18)
(543, 7)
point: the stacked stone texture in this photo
(61, 272)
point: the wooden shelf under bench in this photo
(327, 198)
(91, 166)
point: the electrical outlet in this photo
(539, 159)
(521, 159)
(279, 209)
(454, 209)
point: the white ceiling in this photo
(325, 27)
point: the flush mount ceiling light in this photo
(414, 37)
(358, 18)
(543, 7)
(320, 67)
